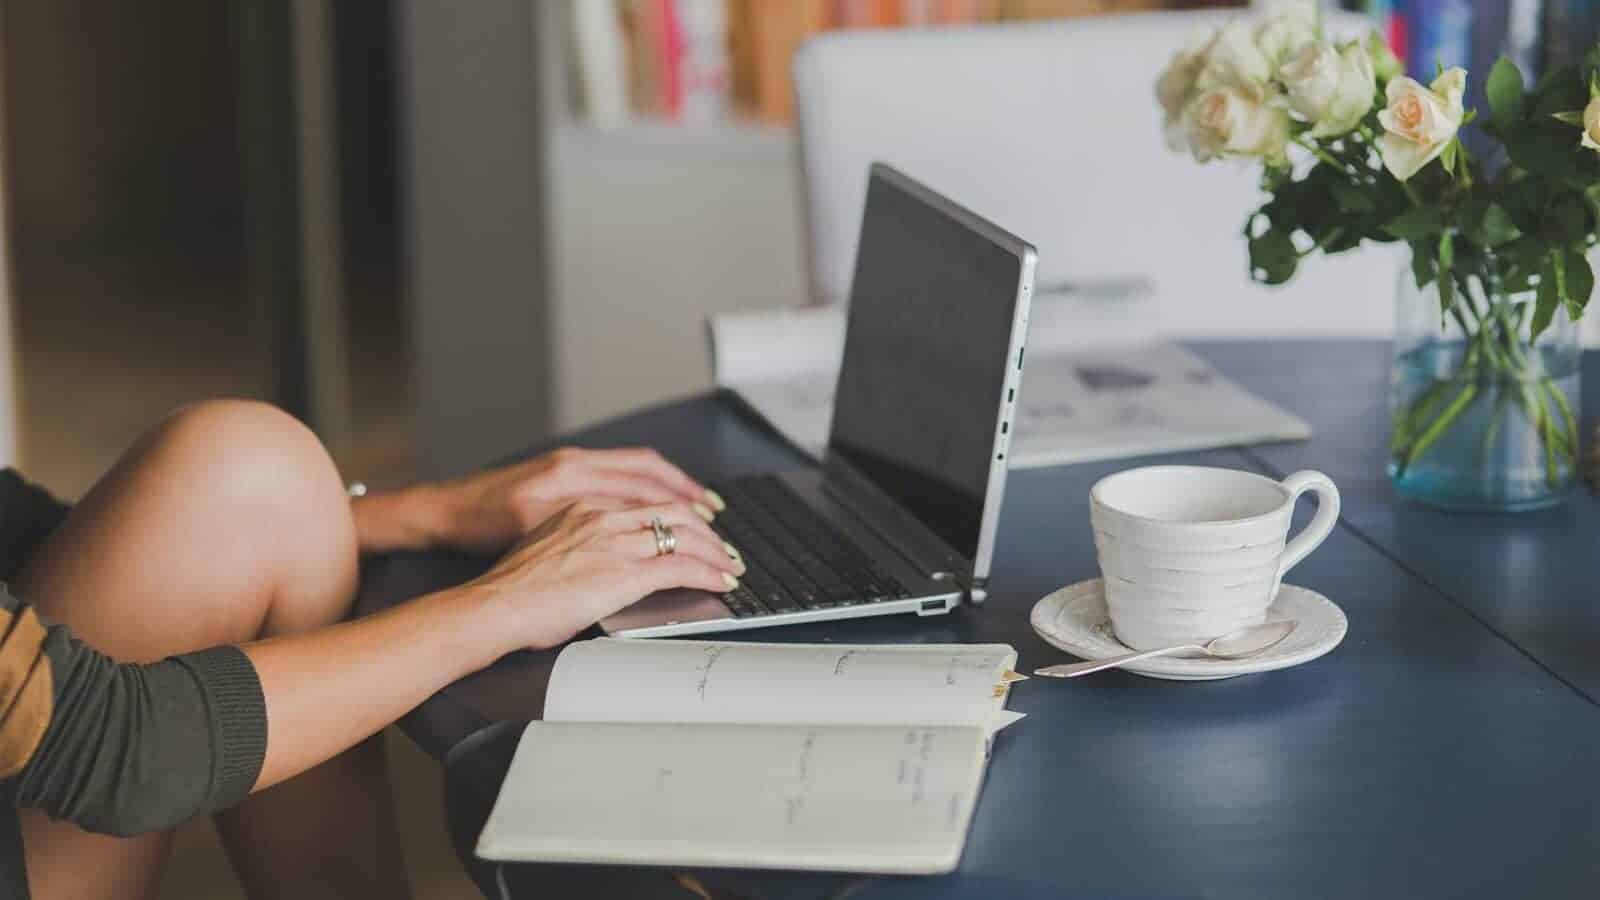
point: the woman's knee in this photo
(270, 477)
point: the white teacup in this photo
(1190, 553)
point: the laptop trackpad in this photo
(668, 608)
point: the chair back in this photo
(1052, 130)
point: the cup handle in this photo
(1321, 524)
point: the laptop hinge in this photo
(978, 592)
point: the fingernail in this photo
(730, 581)
(704, 512)
(732, 551)
(716, 501)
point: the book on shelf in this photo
(704, 61)
(1537, 35)
(1570, 27)
(743, 755)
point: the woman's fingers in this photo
(674, 514)
(677, 571)
(641, 545)
(629, 487)
(678, 516)
(635, 580)
(646, 462)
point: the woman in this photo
(214, 567)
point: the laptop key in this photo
(779, 601)
(812, 599)
(797, 560)
(769, 592)
(742, 603)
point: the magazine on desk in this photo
(777, 756)
(1086, 393)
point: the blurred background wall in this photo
(125, 199)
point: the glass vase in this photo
(1483, 418)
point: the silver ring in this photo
(666, 541)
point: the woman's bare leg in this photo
(226, 524)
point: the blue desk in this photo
(1449, 748)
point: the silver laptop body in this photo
(915, 469)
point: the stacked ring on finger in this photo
(666, 540)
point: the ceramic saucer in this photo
(1074, 619)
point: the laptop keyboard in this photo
(796, 560)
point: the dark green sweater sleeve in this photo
(28, 515)
(136, 748)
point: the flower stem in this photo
(1324, 156)
(1439, 425)
(1566, 411)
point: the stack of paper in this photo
(1088, 393)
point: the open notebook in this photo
(1088, 393)
(742, 755)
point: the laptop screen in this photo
(931, 309)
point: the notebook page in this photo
(852, 798)
(610, 680)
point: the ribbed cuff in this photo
(238, 712)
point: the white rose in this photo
(1420, 121)
(1176, 84)
(1332, 89)
(1384, 63)
(1229, 121)
(1591, 124)
(1234, 61)
(1295, 24)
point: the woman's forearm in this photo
(331, 689)
(415, 518)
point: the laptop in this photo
(900, 515)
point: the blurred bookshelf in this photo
(1535, 34)
(713, 74)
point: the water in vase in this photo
(1483, 440)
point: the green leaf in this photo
(1579, 282)
(1560, 89)
(1417, 222)
(1505, 90)
(1552, 154)
(1273, 257)
(1496, 227)
(1591, 196)
(1351, 199)
(1447, 284)
(1447, 158)
(1421, 264)
(1591, 64)
(1566, 221)
(1544, 309)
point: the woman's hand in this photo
(489, 511)
(329, 688)
(588, 560)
